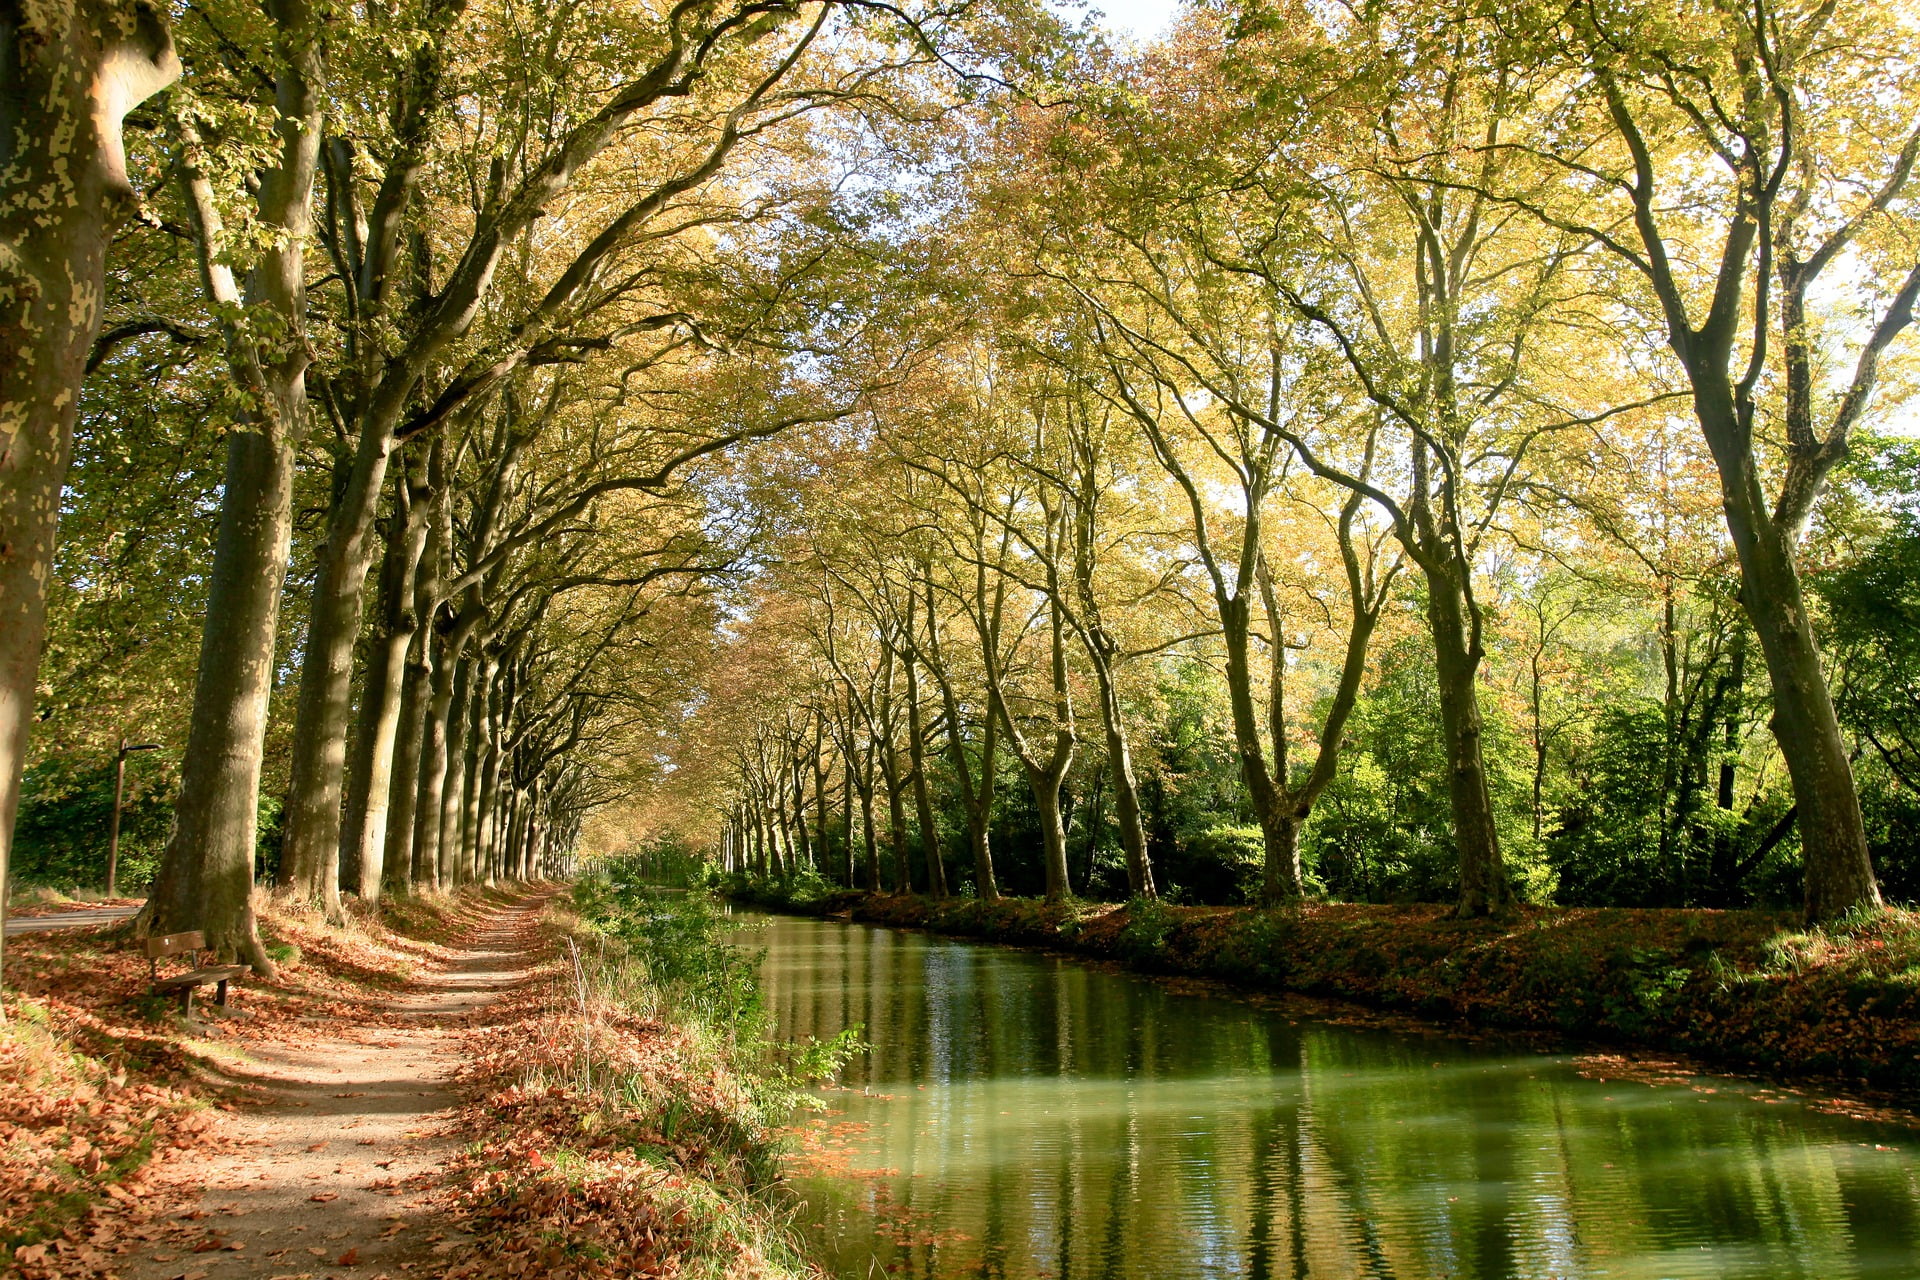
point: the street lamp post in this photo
(119, 795)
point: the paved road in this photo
(68, 919)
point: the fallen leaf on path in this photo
(321, 1197)
(351, 1258)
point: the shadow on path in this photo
(318, 1170)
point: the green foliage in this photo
(1892, 813)
(1144, 935)
(1873, 630)
(66, 811)
(1382, 831)
(1219, 865)
(1607, 847)
(680, 940)
(1633, 838)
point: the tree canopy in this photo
(1390, 452)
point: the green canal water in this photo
(1024, 1116)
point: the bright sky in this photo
(1141, 19)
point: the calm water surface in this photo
(1027, 1116)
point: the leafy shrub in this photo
(66, 812)
(1219, 866)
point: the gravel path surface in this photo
(314, 1183)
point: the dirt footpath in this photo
(314, 1182)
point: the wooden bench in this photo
(190, 945)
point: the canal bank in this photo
(1031, 1116)
(1749, 991)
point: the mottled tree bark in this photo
(325, 704)
(377, 726)
(433, 770)
(976, 795)
(476, 721)
(1764, 252)
(1045, 773)
(206, 875)
(889, 758)
(1484, 887)
(922, 790)
(409, 743)
(1126, 787)
(70, 70)
(453, 869)
(489, 851)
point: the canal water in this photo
(1023, 1116)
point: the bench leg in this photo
(186, 1002)
(223, 993)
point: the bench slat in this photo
(202, 977)
(174, 944)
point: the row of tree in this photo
(470, 292)
(1402, 429)
(1444, 325)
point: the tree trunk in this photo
(409, 742)
(1126, 789)
(433, 766)
(977, 801)
(476, 730)
(870, 840)
(802, 838)
(490, 785)
(206, 876)
(326, 679)
(1484, 889)
(1053, 832)
(1833, 837)
(453, 788)
(762, 851)
(376, 728)
(536, 830)
(846, 794)
(822, 843)
(69, 72)
(516, 829)
(922, 789)
(1281, 879)
(776, 839)
(1044, 774)
(980, 843)
(896, 818)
